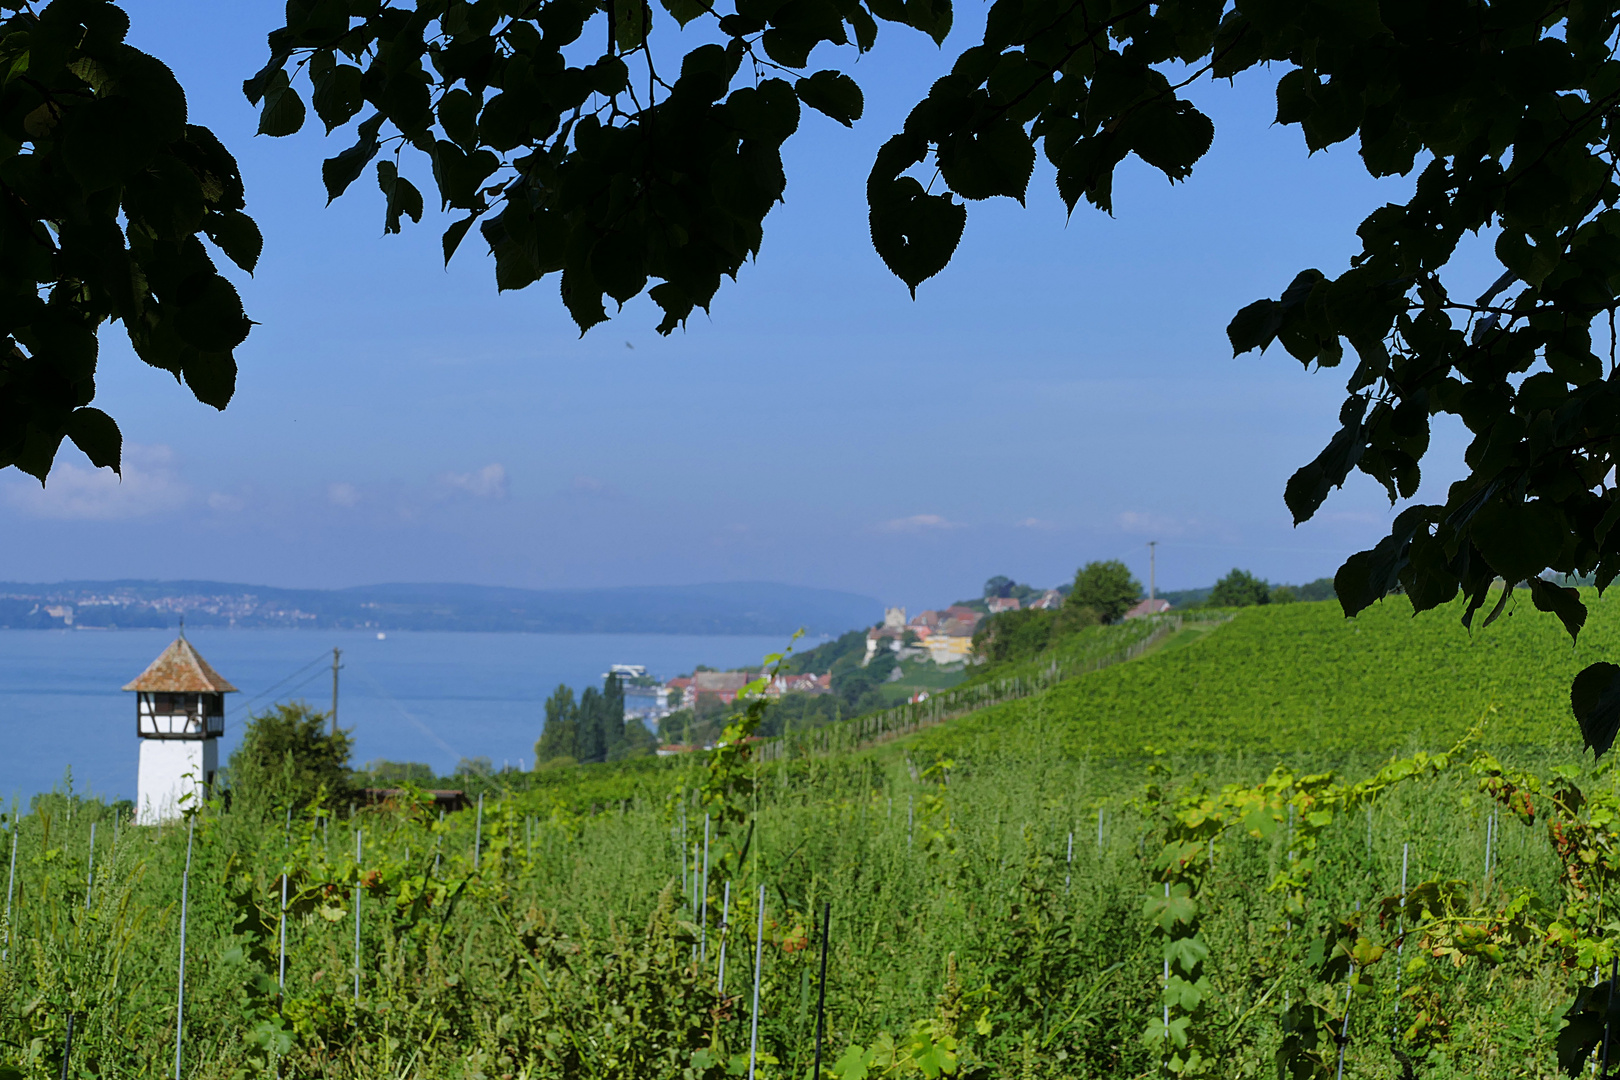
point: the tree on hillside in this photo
(1005, 587)
(1000, 585)
(1240, 589)
(593, 735)
(560, 737)
(582, 160)
(1107, 588)
(1014, 635)
(288, 755)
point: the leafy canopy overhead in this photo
(551, 126)
(106, 193)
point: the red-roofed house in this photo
(1145, 608)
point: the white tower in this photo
(179, 716)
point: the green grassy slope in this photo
(1301, 677)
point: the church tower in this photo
(179, 716)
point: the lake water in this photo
(433, 697)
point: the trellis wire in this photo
(759, 960)
(180, 991)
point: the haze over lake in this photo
(416, 696)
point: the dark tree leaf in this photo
(1519, 540)
(996, 159)
(402, 195)
(1169, 136)
(453, 235)
(211, 377)
(914, 232)
(338, 97)
(95, 433)
(1565, 603)
(341, 171)
(1595, 699)
(1255, 327)
(834, 94)
(237, 236)
(1308, 487)
(210, 318)
(283, 111)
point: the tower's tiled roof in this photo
(181, 670)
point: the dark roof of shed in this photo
(181, 670)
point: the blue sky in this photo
(1062, 392)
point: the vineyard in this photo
(1003, 919)
(995, 910)
(1301, 678)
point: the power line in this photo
(406, 713)
(276, 686)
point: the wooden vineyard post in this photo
(1400, 944)
(725, 927)
(478, 831)
(1608, 1018)
(703, 897)
(357, 893)
(90, 868)
(11, 880)
(281, 948)
(759, 961)
(180, 992)
(821, 989)
(67, 1047)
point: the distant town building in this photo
(925, 623)
(724, 685)
(998, 604)
(179, 717)
(799, 684)
(1050, 600)
(1145, 608)
(894, 618)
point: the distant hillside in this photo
(726, 608)
(1301, 677)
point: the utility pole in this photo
(1152, 545)
(336, 656)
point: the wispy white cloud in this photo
(1033, 523)
(917, 523)
(151, 484)
(226, 504)
(486, 483)
(342, 494)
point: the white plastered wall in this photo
(170, 769)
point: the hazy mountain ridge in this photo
(719, 608)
